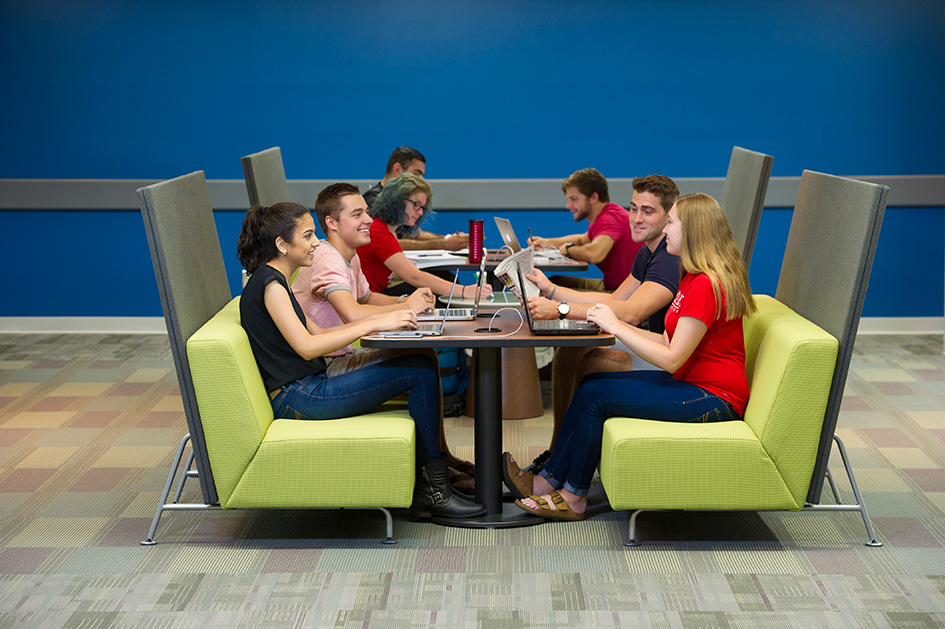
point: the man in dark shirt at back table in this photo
(405, 159)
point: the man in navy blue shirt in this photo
(641, 299)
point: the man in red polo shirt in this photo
(607, 242)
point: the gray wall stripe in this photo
(155, 325)
(451, 194)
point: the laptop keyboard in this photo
(560, 324)
(453, 312)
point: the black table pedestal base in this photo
(488, 398)
(510, 517)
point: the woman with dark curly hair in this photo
(405, 200)
(289, 347)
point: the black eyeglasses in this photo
(416, 205)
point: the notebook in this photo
(457, 314)
(552, 327)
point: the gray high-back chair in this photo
(743, 196)
(824, 276)
(265, 177)
(191, 279)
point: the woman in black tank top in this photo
(274, 242)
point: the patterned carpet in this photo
(89, 423)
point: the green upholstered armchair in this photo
(763, 462)
(241, 457)
(260, 462)
(798, 351)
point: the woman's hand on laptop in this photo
(396, 320)
(469, 292)
(420, 300)
(604, 317)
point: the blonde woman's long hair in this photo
(709, 247)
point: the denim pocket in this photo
(710, 416)
(295, 414)
(276, 402)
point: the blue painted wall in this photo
(485, 89)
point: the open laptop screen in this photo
(508, 234)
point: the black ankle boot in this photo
(433, 496)
(539, 463)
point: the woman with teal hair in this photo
(405, 200)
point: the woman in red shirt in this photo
(702, 352)
(404, 201)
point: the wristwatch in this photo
(567, 249)
(563, 310)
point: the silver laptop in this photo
(433, 328)
(508, 234)
(457, 314)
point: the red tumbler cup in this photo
(475, 241)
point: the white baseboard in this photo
(82, 325)
(155, 325)
(902, 325)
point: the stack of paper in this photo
(435, 257)
(506, 271)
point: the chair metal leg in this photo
(859, 506)
(188, 473)
(163, 505)
(389, 527)
(632, 541)
(833, 488)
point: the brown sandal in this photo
(520, 485)
(562, 510)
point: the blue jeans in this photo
(361, 390)
(644, 394)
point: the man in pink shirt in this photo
(607, 243)
(334, 291)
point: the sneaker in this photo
(539, 463)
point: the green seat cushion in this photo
(364, 461)
(649, 464)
